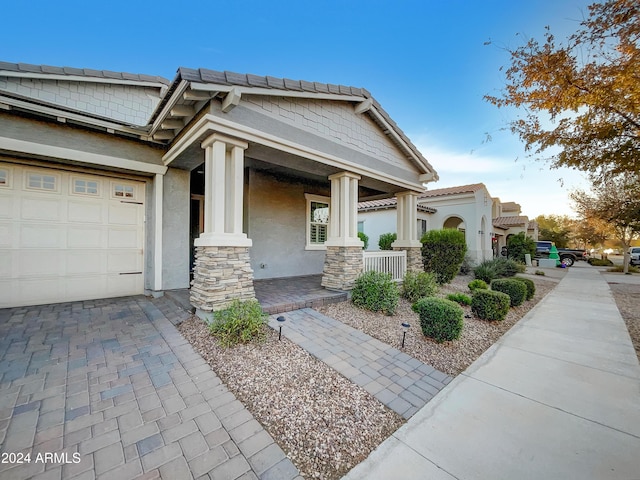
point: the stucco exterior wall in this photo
(175, 229)
(125, 103)
(276, 223)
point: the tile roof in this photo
(510, 207)
(510, 221)
(80, 72)
(453, 190)
(388, 203)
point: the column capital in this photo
(229, 141)
(407, 193)
(344, 174)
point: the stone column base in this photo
(342, 265)
(414, 258)
(221, 275)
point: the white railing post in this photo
(387, 261)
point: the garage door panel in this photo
(46, 208)
(118, 285)
(41, 236)
(5, 235)
(84, 211)
(123, 213)
(85, 263)
(124, 262)
(6, 206)
(124, 238)
(85, 237)
(85, 286)
(39, 263)
(40, 290)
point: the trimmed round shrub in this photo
(600, 262)
(375, 291)
(516, 290)
(386, 239)
(417, 285)
(531, 286)
(459, 298)
(476, 284)
(443, 252)
(365, 239)
(490, 305)
(440, 319)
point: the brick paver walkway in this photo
(399, 381)
(113, 382)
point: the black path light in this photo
(405, 329)
(280, 319)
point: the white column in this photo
(343, 223)
(223, 192)
(158, 183)
(407, 220)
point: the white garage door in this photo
(67, 236)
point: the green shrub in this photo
(486, 271)
(443, 252)
(460, 298)
(375, 291)
(620, 268)
(490, 305)
(531, 287)
(365, 238)
(440, 319)
(518, 245)
(600, 262)
(476, 284)
(516, 290)
(539, 273)
(241, 322)
(417, 285)
(386, 239)
(506, 267)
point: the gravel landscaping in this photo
(323, 422)
(627, 298)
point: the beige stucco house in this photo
(118, 184)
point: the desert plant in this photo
(443, 252)
(365, 239)
(477, 283)
(241, 322)
(459, 298)
(440, 319)
(506, 267)
(539, 273)
(518, 245)
(490, 305)
(486, 271)
(620, 268)
(531, 287)
(417, 285)
(516, 290)
(386, 239)
(375, 291)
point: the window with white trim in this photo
(123, 190)
(317, 221)
(82, 186)
(41, 181)
(422, 228)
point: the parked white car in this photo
(635, 255)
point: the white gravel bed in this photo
(448, 357)
(322, 421)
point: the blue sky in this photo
(426, 62)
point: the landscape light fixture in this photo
(405, 329)
(280, 319)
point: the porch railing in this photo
(386, 261)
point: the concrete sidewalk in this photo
(558, 397)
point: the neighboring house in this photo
(111, 183)
(466, 208)
(508, 220)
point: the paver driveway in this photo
(109, 388)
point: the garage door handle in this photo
(130, 273)
(135, 203)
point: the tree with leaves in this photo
(581, 96)
(616, 202)
(558, 229)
